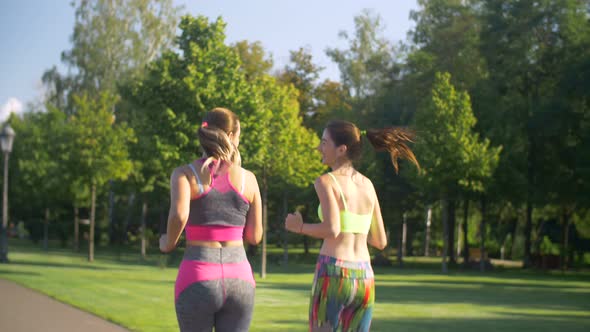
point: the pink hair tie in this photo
(204, 124)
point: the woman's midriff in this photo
(215, 244)
(348, 247)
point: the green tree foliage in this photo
(365, 65)
(446, 39)
(40, 155)
(112, 39)
(97, 149)
(452, 155)
(166, 109)
(528, 47)
(303, 74)
(254, 61)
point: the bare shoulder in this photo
(364, 181)
(249, 175)
(179, 172)
(323, 180)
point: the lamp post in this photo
(6, 139)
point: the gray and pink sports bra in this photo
(218, 214)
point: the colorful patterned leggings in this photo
(214, 288)
(343, 295)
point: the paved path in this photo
(24, 310)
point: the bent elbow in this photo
(333, 232)
(380, 245)
(253, 239)
(258, 238)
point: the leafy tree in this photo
(112, 40)
(365, 65)
(98, 149)
(446, 38)
(38, 172)
(166, 107)
(303, 74)
(525, 44)
(254, 61)
(452, 155)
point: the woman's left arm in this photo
(180, 196)
(377, 236)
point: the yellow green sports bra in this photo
(350, 222)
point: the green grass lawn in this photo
(139, 294)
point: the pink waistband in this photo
(214, 233)
(195, 271)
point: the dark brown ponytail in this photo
(393, 140)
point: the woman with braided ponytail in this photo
(343, 291)
(217, 203)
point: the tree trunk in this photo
(512, 233)
(530, 189)
(401, 251)
(46, 229)
(76, 229)
(285, 233)
(459, 240)
(144, 209)
(264, 223)
(528, 227)
(482, 235)
(451, 222)
(511, 255)
(465, 232)
(445, 220)
(404, 234)
(111, 213)
(92, 215)
(428, 222)
(130, 203)
(566, 223)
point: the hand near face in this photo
(293, 222)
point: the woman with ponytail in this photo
(343, 291)
(217, 203)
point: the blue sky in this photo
(33, 33)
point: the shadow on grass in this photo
(506, 322)
(496, 295)
(510, 323)
(435, 293)
(59, 265)
(511, 283)
(24, 273)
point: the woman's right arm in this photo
(330, 227)
(180, 195)
(253, 228)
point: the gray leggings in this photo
(224, 303)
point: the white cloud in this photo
(13, 105)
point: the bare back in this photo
(361, 199)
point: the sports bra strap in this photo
(339, 189)
(197, 177)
